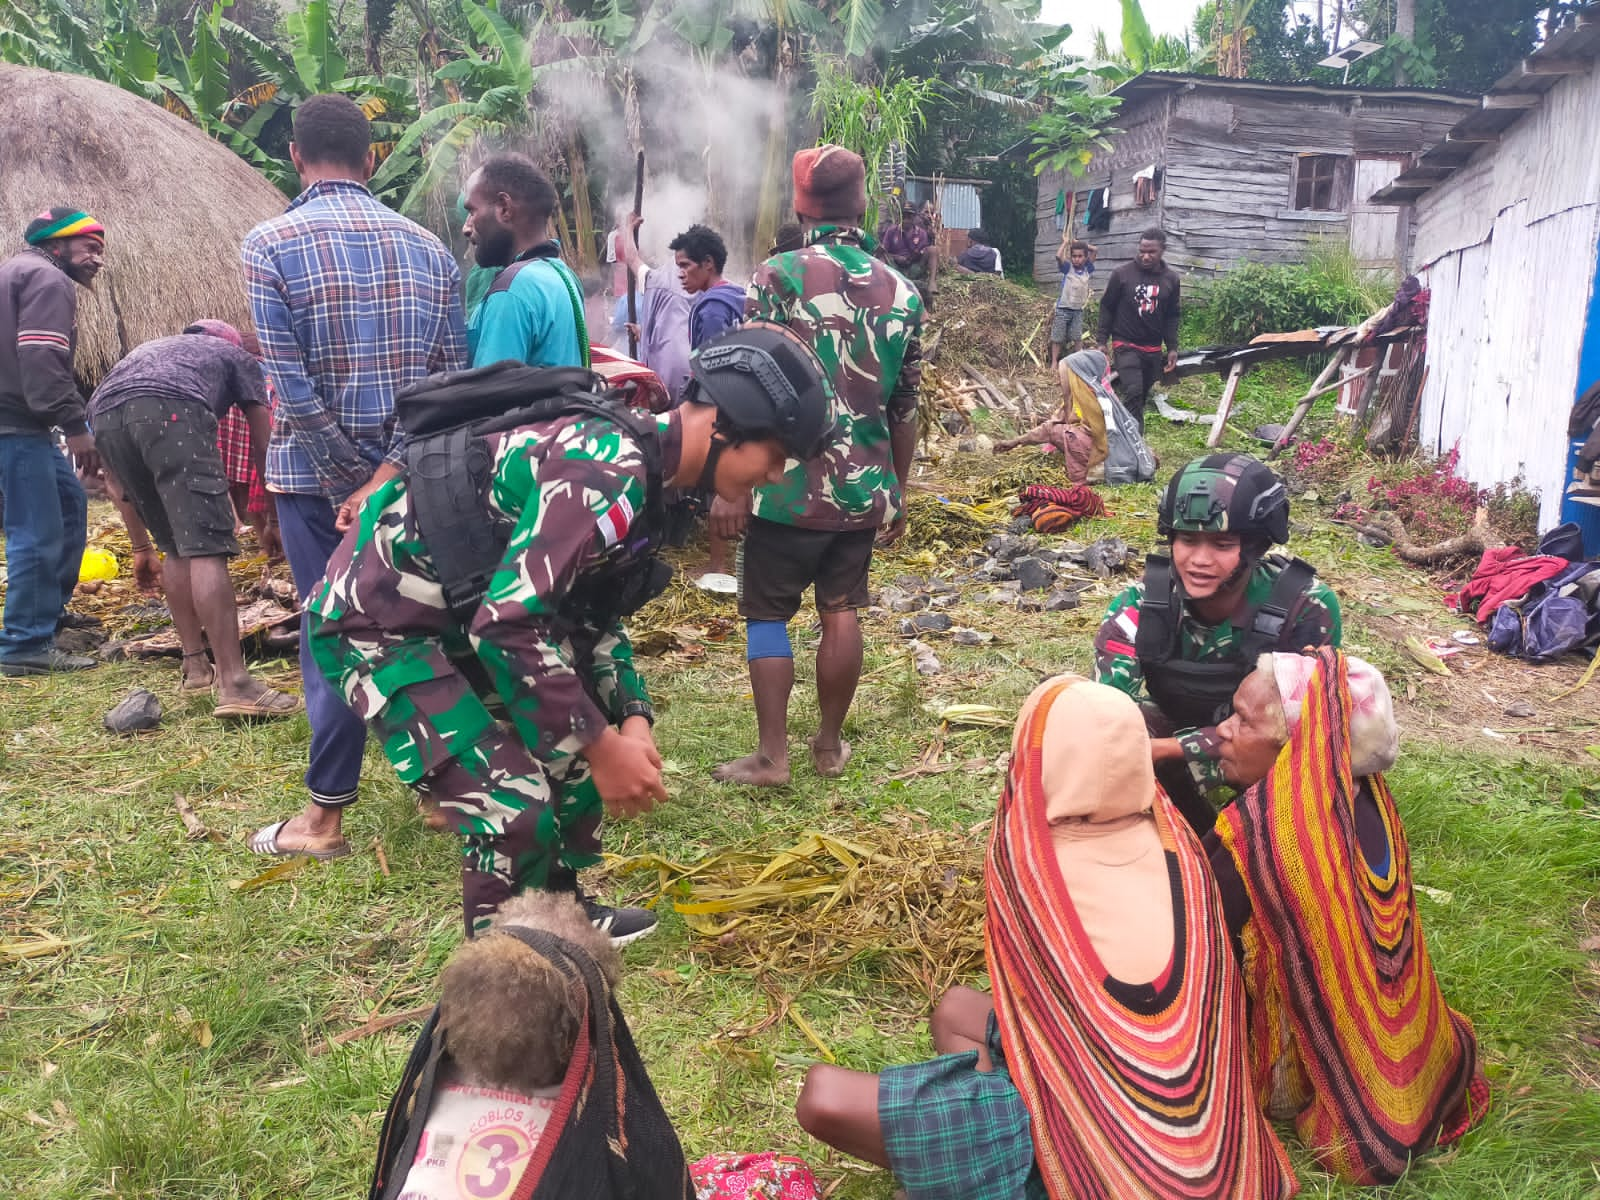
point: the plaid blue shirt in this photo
(352, 302)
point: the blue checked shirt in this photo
(352, 302)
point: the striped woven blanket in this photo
(1131, 1098)
(1349, 1033)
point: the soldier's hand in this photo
(728, 519)
(627, 774)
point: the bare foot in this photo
(830, 761)
(756, 770)
(198, 673)
(434, 818)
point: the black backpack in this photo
(447, 419)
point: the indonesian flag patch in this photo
(614, 522)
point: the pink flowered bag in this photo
(768, 1176)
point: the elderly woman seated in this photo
(1349, 1034)
(1111, 1060)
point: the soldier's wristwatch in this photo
(638, 708)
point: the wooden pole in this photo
(633, 283)
(1318, 386)
(1225, 405)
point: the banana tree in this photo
(496, 79)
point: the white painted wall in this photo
(1507, 245)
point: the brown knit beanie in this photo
(830, 184)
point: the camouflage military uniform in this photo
(865, 323)
(1117, 664)
(489, 718)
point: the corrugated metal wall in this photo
(962, 208)
(1508, 247)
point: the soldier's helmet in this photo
(766, 382)
(1226, 493)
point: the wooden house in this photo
(1241, 169)
(1506, 215)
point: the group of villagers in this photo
(1170, 981)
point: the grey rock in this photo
(1060, 600)
(1108, 555)
(946, 599)
(931, 622)
(1033, 575)
(139, 711)
(1520, 708)
(970, 637)
(999, 596)
(1032, 602)
(1006, 546)
(905, 628)
(942, 587)
(908, 583)
(924, 658)
(905, 604)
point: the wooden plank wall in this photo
(1229, 191)
(1508, 246)
(1138, 144)
(1228, 161)
(1503, 349)
(1547, 158)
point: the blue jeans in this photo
(338, 736)
(47, 520)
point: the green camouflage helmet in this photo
(1225, 493)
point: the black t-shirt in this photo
(194, 367)
(1140, 307)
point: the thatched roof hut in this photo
(175, 204)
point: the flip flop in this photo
(267, 705)
(265, 841)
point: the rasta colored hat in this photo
(217, 329)
(830, 183)
(62, 222)
(1225, 493)
(766, 382)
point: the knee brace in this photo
(766, 639)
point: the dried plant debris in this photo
(901, 892)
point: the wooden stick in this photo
(192, 824)
(375, 1025)
(633, 283)
(1318, 387)
(1225, 405)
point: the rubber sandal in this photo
(265, 841)
(268, 704)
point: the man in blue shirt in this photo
(352, 302)
(533, 312)
(700, 255)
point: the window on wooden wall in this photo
(1316, 182)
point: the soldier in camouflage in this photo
(816, 527)
(1183, 638)
(527, 721)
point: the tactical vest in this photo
(448, 420)
(1201, 693)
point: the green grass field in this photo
(165, 1029)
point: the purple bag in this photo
(1554, 618)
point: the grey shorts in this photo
(1066, 326)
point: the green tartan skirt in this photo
(954, 1132)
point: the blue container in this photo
(1585, 516)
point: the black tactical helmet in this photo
(1226, 493)
(766, 382)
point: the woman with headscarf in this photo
(1111, 1061)
(1349, 1033)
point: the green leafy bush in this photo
(1328, 288)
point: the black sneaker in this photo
(46, 662)
(624, 925)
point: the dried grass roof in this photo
(175, 204)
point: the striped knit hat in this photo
(62, 221)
